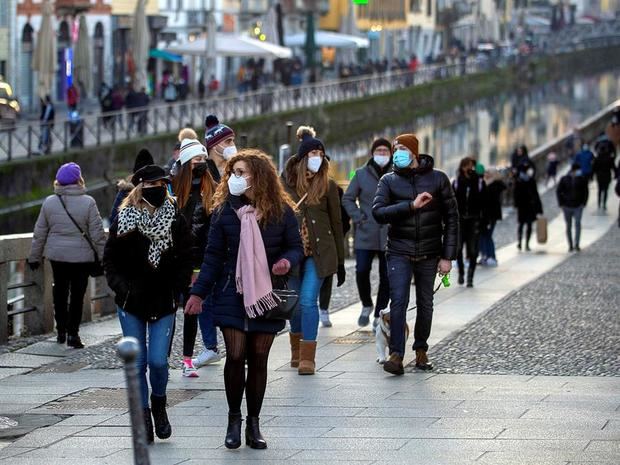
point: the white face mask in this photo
(314, 164)
(229, 152)
(237, 185)
(381, 160)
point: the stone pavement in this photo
(351, 412)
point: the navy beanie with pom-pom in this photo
(215, 132)
(308, 144)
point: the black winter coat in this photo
(217, 274)
(431, 231)
(527, 200)
(140, 289)
(572, 191)
(470, 195)
(493, 202)
(195, 216)
(604, 168)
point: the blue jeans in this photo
(207, 327)
(155, 355)
(569, 214)
(487, 246)
(401, 269)
(306, 316)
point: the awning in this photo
(231, 45)
(327, 39)
(164, 55)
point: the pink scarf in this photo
(252, 276)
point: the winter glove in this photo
(281, 267)
(342, 275)
(34, 265)
(194, 305)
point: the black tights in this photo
(255, 347)
(528, 233)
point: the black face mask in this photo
(154, 195)
(199, 170)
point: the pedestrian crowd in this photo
(243, 248)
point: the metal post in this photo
(66, 136)
(99, 128)
(128, 350)
(10, 145)
(289, 133)
(29, 141)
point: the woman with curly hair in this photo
(253, 235)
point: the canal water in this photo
(489, 129)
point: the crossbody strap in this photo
(84, 235)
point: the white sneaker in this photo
(491, 262)
(364, 318)
(206, 357)
(324, 316)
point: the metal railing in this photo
(26, 301)
(92, 130)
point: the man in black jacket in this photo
(418, 204)
(572, 196)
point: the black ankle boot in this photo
(148, 424)
(233, 432)
(75, 342)
(253, 438)
(163, 430)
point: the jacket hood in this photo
(71, 189)
(426, 164)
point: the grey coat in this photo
(57, 238)
(357, 201)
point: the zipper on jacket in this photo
(127, 296)
(416, 219)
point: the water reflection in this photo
(491, 128)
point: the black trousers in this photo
(69, 278)
(470, 238)
(325, 294)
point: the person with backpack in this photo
(470, 193)
(572, 195)
(370, 236)
(69, 233)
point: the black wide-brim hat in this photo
(149, 173)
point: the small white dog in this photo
(382, 335)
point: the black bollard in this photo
(128, 349)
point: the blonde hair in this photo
(303, 130)
(187, 133)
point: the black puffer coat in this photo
(140, 289)
(431, 231)
(470, 195)
(217, 274)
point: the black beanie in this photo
(380, 142)
(308, 144)
(144, 158)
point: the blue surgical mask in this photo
(401, 158)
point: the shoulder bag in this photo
(96, 267)
(287, 300)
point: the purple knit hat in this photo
(69, 173)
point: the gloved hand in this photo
(281, 267)
(342, 275)
(34, 265)
(193, 305)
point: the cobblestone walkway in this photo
(564, 324)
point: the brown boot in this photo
(306, 357)
(394, 365)
(421, 360)
(295, 338)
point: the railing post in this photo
(66, 136)
(10, 145)
(34, 297)
(29, 141)
(4, 318)
(128, 350)
(87, 308)
(99, 129)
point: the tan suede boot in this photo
(421, 360)
(295, 338)
(306, 358)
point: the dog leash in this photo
(444, 281)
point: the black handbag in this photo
(287, 300)
(96, 268)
